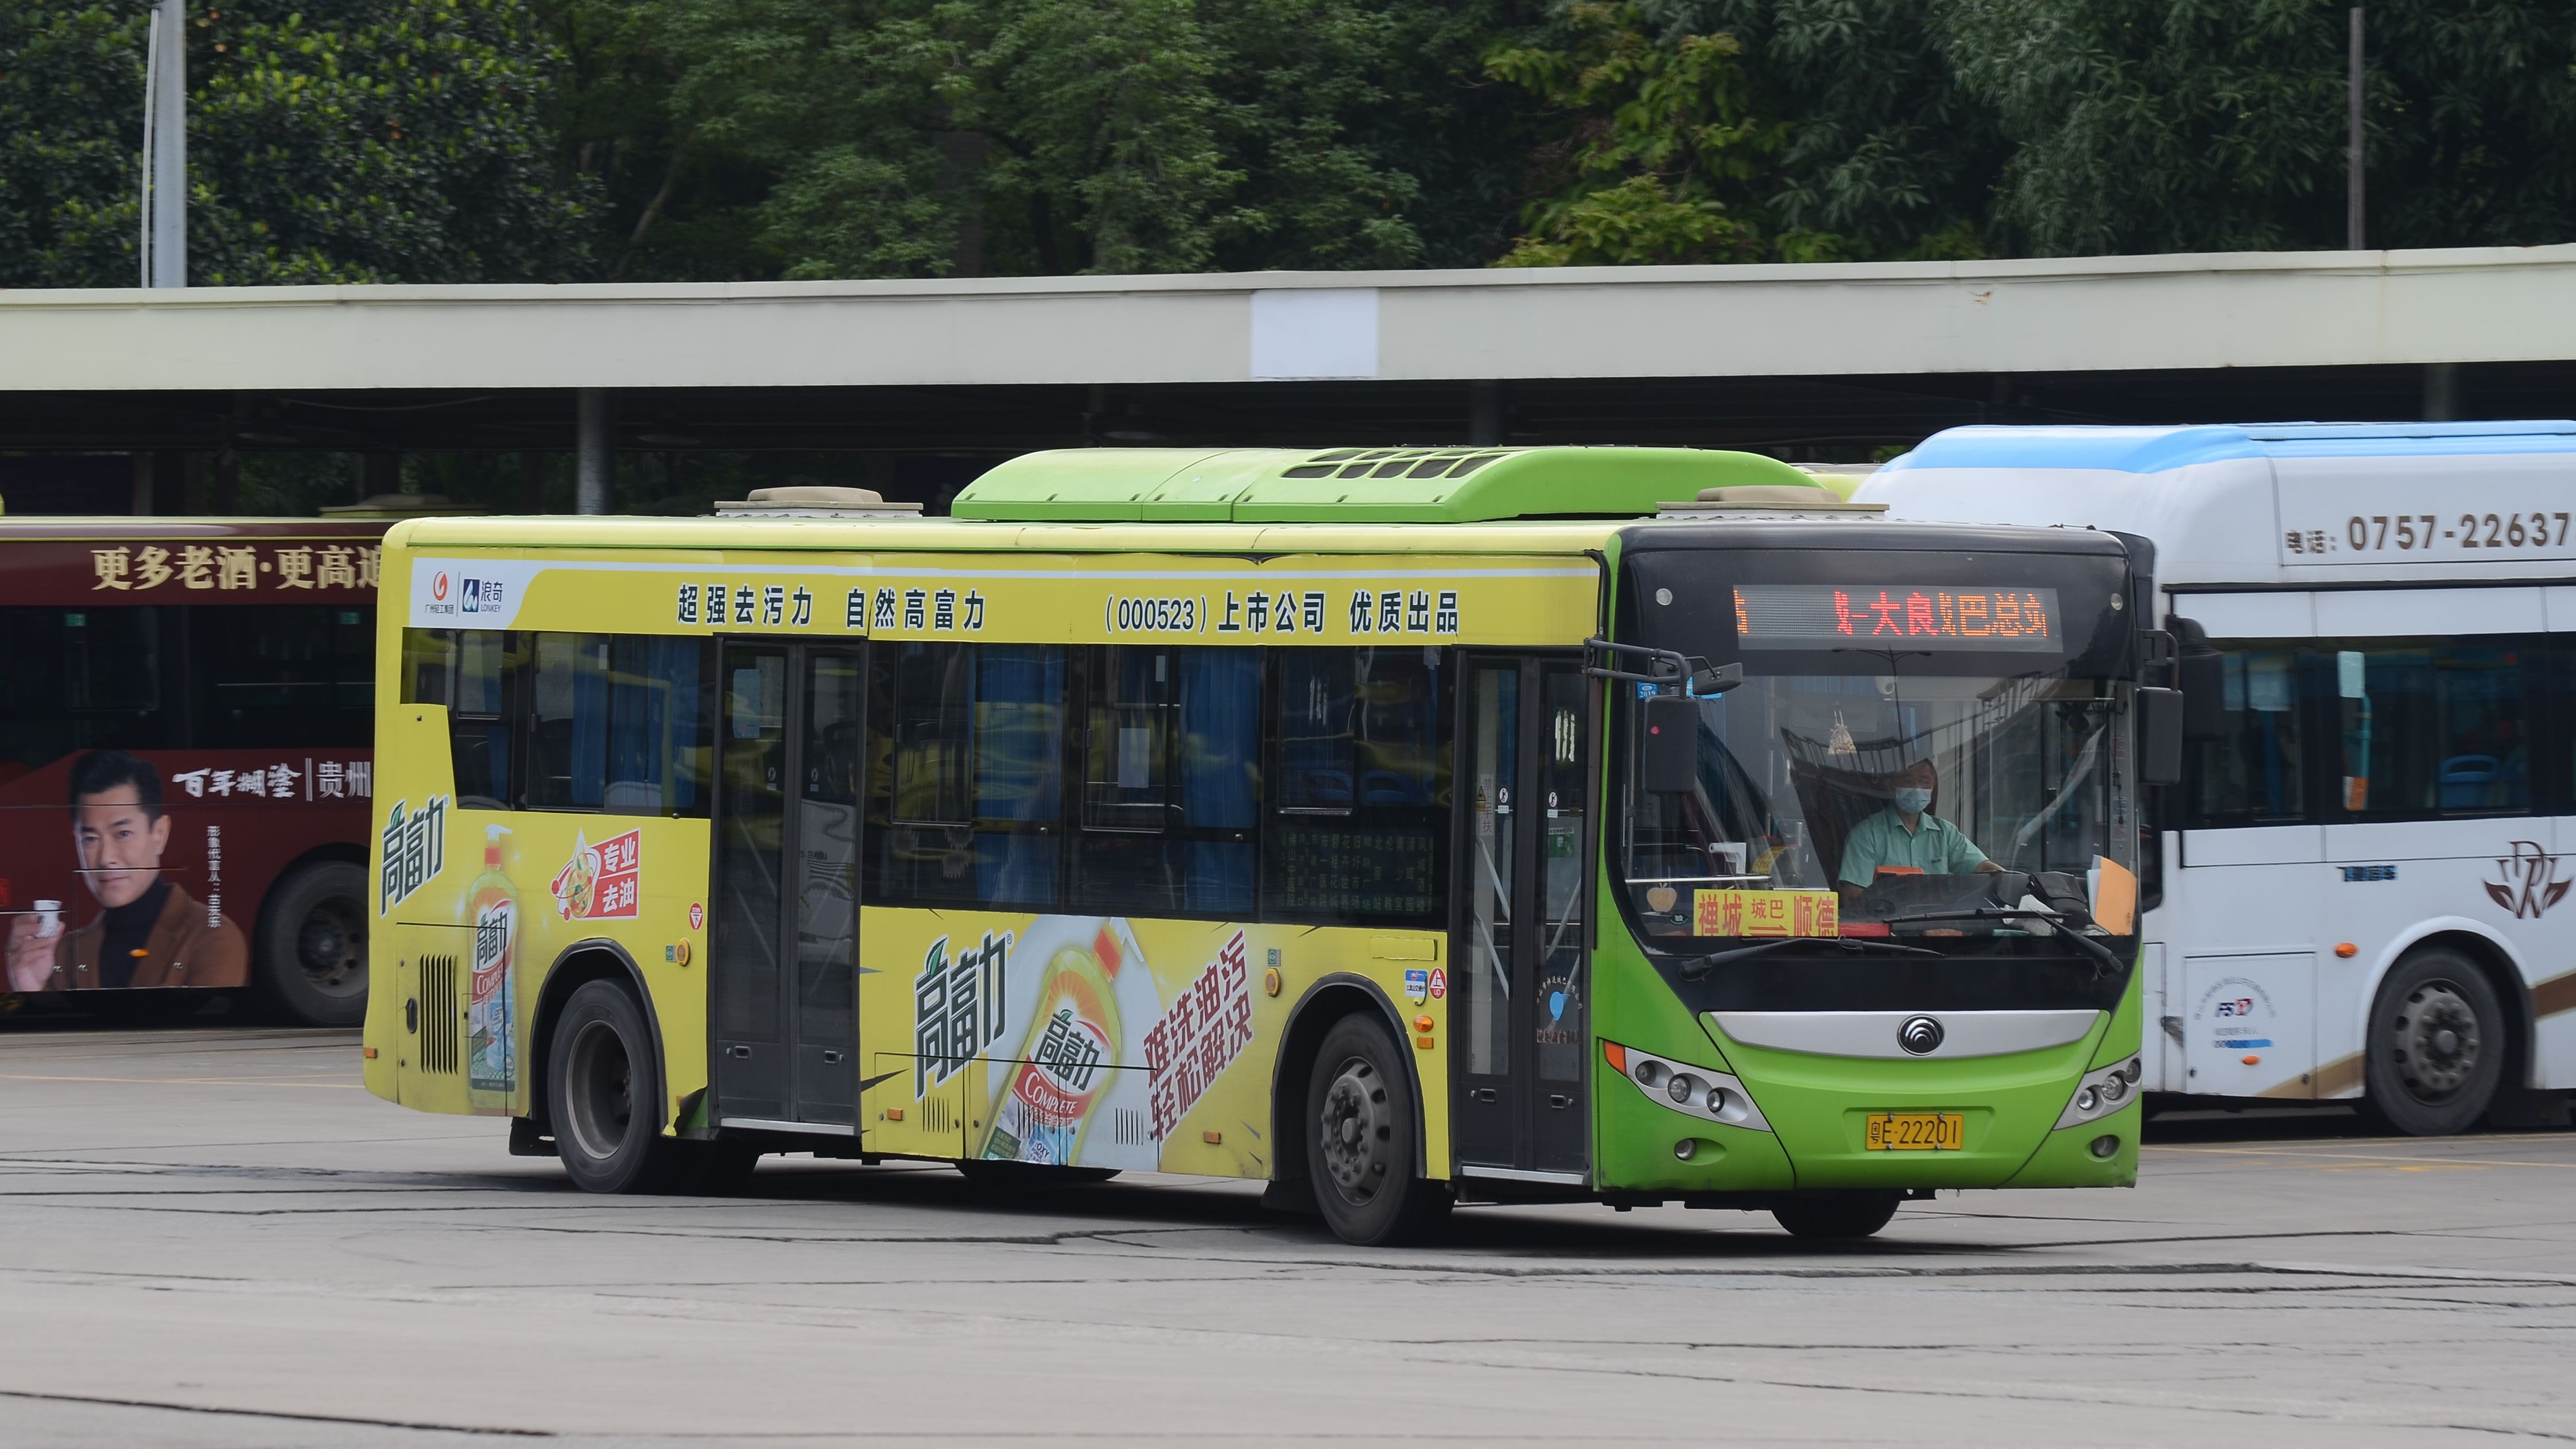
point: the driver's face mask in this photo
(1913, 800)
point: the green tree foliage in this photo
(329, 141)
(2193, 125)
(932, 137)
(1663, 150)
(1886, 153)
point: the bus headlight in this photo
(1695, 1091)
(2102, 1093)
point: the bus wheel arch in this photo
(1324, 1004)
(314, 911)
(2433, 987)
(580, 964)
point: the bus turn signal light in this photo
(2347, 950)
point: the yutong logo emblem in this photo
(1920, 1035)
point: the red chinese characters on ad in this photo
(1206, 1027)
(603, 881)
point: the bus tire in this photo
(1360, 1145)
(313, 945)
(1845, 1215)
(599, 1073)
(2436, 1046)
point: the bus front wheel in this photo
(1360, 1147)
(2436, 1046)
(1844, 1215)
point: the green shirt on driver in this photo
(1934, 847)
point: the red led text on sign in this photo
(1805, 616)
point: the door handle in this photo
(1559, 1101)
(411, 1015)
(1485, 1094)
(743, 1052)
(831, 1057)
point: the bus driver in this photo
(1907, 838)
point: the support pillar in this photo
(1485, 425)
(595, 464)
(2441, 392)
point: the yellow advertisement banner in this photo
(1096, 1041)
(1071, 599)
(1765, 913)
(472, 908)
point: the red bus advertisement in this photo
(185, 758)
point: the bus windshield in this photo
(1916, 799)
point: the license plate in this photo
(1916, 1131)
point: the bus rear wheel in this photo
(602, 1092)
(313, 945)
(2436, 1046)
(1360, 1147)
(1844, 1215)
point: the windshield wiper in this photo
(1851, 945)
(2104, 962)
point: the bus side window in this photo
(567, 719)
(2251, 774)
(1356, 816)
(470, 671)
(965, 769)
(77, 679)
(481, 727)
(1171, 750)
(660, 737)
(292, 675)
(2425, 727)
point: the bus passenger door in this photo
(783, 949)
(1519, 1017)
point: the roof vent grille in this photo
(1393, 463)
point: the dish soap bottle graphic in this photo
(492, 1062)
(1060, 1071)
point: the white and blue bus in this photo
(2361, 889)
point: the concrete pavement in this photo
(218, 1238)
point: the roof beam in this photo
(2229, 310)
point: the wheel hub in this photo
(1355, 1131)
(600, 1101)
(2436, 1041)
(332, 947)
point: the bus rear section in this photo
(186, 761)
(1299, 830)
(2358, 889)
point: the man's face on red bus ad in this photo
(119, 843)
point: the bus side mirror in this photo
(2160, 736)
(2200, 671)
(1668, 753)
(1715, 680)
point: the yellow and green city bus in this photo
(1398, 827)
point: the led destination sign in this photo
(1828, 616)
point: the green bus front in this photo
(1800, 994)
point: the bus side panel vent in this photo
(438, 1014)
(938, 1114)
(1130, 1126)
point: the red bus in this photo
(186, 758)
